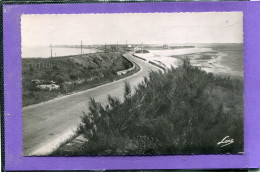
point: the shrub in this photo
(142, 51)
(180, 111)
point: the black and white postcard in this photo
(132, 84)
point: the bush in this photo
(180, 111)
(142, 51)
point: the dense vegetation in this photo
(142, 51)
(180, 111)
(71, 73)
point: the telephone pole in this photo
(81, 47)
(51, 50)
(142, 50)
(117, 46)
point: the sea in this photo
(45, 51)
(221, 59)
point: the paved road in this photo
(47, 124)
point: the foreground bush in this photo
(180, 111)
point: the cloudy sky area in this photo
(150, 28)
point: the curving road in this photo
(47, 124)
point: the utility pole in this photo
(117, 46)
(81, 47)
(126, 44)
(51, 50)
(142, 48)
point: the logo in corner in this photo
(225, 141)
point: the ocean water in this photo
(228, 59)
(181, 51)
(223, 59)
(45, 51)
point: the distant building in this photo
(166, 46)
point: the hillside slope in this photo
(47, 78)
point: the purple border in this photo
(13, 93)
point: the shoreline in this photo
(213, 65)
(28, 52)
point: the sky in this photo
(135, 28)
